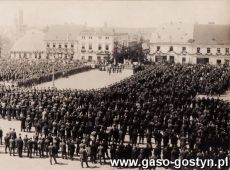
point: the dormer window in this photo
(198, 50)
(227, 50)
(183, 48)
(208, 50)
(171, 48)
(158, 48)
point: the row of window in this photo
(99, 47)
(90, 58)
(24, 55)
(209, 50)
(59, 46)
(198, 49)
(90, 37)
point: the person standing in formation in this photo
(83, 156)
(52, 153)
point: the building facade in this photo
(95, 46)
(203, 44)
(69, 42)
(61, 41)
(61, 49)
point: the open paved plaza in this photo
(88, 80)
(92, 79)
(8, 162)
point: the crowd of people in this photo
(27, 73)
(152, 114)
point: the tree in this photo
(133, 52)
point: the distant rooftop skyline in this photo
(135, 14)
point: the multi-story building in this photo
(62, 41)
(69, 42)
(181, 43)
(95, 46)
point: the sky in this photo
(116, 13)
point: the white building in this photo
(95, 46)
(30, 46)
(181, 43)
(69, 42)
(62, 41)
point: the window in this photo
(72, 45)
(48, 45)
(158, 48)
(90, 46)
(218, 62)
(183, 48)
(208, 50)
(54, 45)
(106, 38)
(83, 37)
(227, 50)
(171, 48)
(90, 37)
(59, 46)
(90, 58)
(218, 50)
(83, 47)
(66, 46)
(83, 57)
(198, 50)
(183, 60)
(99, 47)
(98, 58)
(106, 47)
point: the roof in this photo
(200, 34)
(173, 33)
(98, 32)
(211, 34)
(31, 41)
(63, 32)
